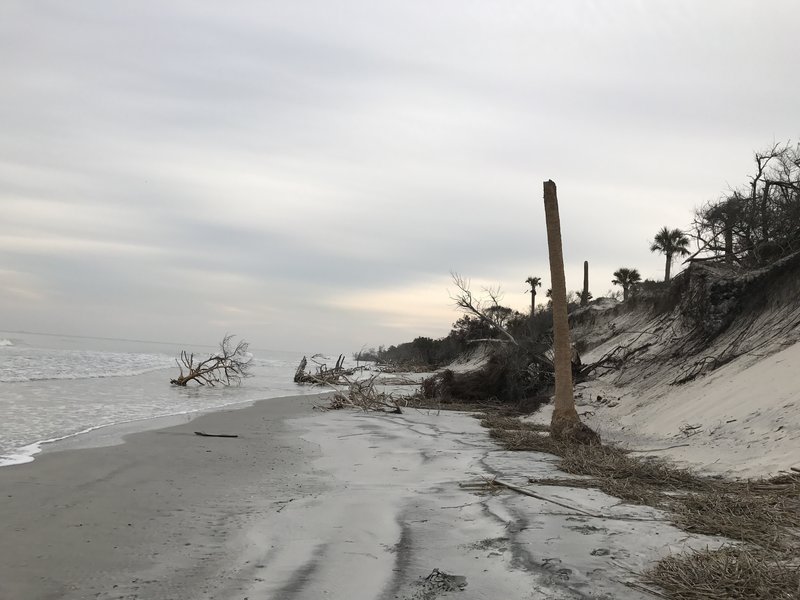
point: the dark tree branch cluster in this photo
(228, 366)
(487, 310)
(758, 222)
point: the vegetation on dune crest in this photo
(757, 222)
(671, 243)
(627, 279)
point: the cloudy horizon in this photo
(307, 175)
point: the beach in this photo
(150, 518)
(314, 504)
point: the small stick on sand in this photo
(660, 449)
(527, 492)
(641, 588)
(225, 435)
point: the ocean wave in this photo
(42, 365)
(16, 377)
(5, 342)
(25, 454)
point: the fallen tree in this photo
(228, 366)
(323, 375)
(364, 395)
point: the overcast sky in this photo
(307, 174)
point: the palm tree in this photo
(670, 242)
(534, 282)
(627, 278)
(565, 422)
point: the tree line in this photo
(749, 226)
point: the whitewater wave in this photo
(17, 377)
(44, 364)
(5, 342)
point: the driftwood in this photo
(228, 366)
(527, 492)
(362, 394)
(300, 371)
(224, 435)
(323, 375)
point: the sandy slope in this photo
(741, 419)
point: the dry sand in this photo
(342, 505)
(739, 421)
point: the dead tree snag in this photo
(228, 366)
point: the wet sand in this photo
(153, 517)
(306, 505)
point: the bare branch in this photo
(467, 302)
(227, 367)
(324, 376)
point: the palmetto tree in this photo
(670, 242)
(534, 282)
(627, 279)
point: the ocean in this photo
(55, 387)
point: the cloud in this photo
(308, 173)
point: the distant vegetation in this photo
(466, 333)
(749, 227)
(759, 221)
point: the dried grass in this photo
(763, 514)
(643, 481)
(499, 421)
(736, 572)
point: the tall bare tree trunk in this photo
(585, 294)
(668, 267)
(565, 422)
(765, 213)
(533, 301)
(728, 237)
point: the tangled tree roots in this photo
(505, 378)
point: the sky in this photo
(308, 174)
